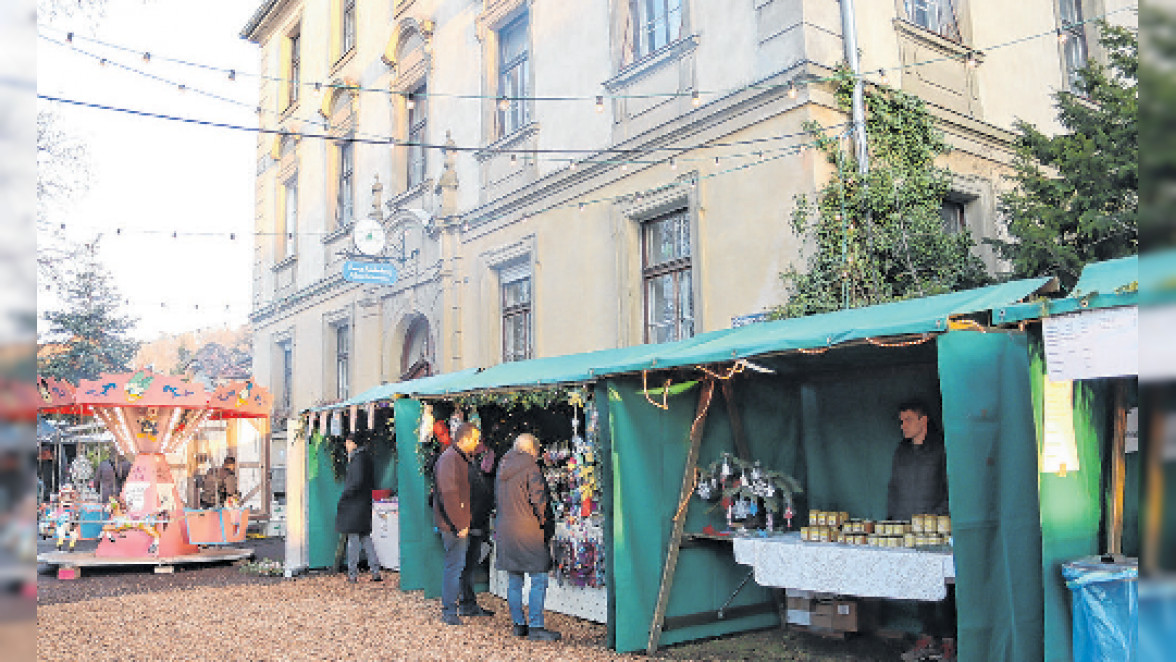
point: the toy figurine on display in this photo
(65, 518)
(120, 521)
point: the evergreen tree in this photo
(1076, 198)
(880, 237)
(89, 326)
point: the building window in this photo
(516, 314)
(416, 356)
(666, 274)
(344, 183)
(294, 82)
(417, 104)
(1073, 35)
(656, 23)
(288, 229)
(952, 213)
(342, 361)
(347, 40)
(513, 86)
(286, 358)
(938, 16)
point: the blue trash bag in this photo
(1106, 609)
(1157, 619)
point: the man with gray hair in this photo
(524, 528)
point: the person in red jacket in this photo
(452, 509)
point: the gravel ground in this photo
(218, 612)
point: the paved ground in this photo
(219, 612)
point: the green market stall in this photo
(825, 413)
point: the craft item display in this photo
(752, 496)
(578, 557)
(570, 468)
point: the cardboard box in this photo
(796, 617)
(799, 604)
(836, 615)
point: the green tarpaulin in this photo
(322, 495)
(420, 546)
(992, 473)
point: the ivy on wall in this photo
(879, 237)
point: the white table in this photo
(785, 561)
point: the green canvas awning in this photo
(1102, 285)
(925, 315)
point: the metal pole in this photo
(858, 106)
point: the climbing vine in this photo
(880, 237)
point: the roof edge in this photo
(249, 32)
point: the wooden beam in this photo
(1114, 524)
(741, 450)
(667, 578)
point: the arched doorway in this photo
(416, 359)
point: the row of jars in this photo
(919, 524)
(908, 539)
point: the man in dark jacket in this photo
(219, 484)
(522, 525)
(353, 516)
(107, 479)
(918, 486)
(452, 508)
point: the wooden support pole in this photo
(1114, 524)
(667, 578)
(741, 449)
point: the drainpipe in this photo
(858, 107)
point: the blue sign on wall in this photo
(378, 273)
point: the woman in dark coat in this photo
(524, 517)
(353, 516)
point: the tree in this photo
(880, 237)
(89, 328)
(1076, 195)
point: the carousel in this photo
(151, 415)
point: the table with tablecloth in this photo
(785, 561)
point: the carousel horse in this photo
(65, 519)
(121, 521)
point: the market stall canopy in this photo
(1101, 285)
(926, 315)
(241, 399)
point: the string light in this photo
(791, 90)
(695, 100)
(971, 60)
(102, 62)
(146, 57)
(232, 74)
(409, 101)
(1062, 36)
(69, 38)
(583, 207)
(514, 159)
(572, 165)
(503, 104)
(884, 77)
(673, 164)
(599, 103)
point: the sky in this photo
(159, 175)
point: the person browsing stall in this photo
(452, 510)
(353, 515)
(524, 529)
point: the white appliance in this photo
(386, 532)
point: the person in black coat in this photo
(354, 514)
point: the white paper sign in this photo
(1131, 433)
(1091, 344)
(1059, 449)
(136, 495)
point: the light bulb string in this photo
(234, 72)
(568, 205)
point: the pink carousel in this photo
(151, 415)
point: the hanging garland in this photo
(750, 494)
(528, 399)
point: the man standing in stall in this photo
(918, 486)
(452, 509)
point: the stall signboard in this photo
(1092, 344)
(744, 320)
(376, 273)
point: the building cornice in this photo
(268, 9)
